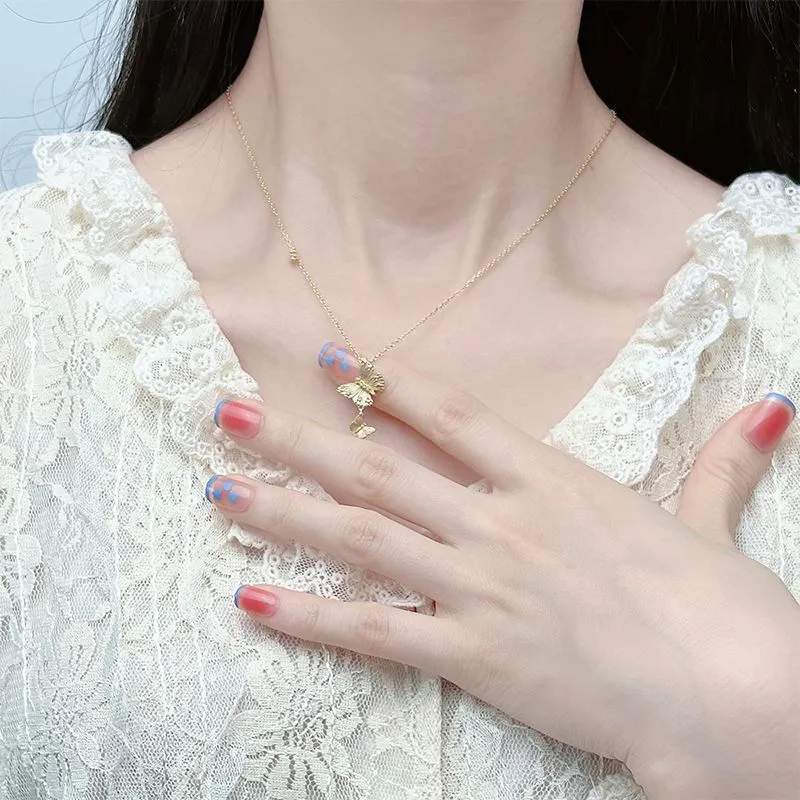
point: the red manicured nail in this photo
(769, 422)
(240, 420)
(256, 600)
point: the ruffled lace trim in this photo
(180, 355)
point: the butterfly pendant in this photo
(361, 392)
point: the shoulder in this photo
(60, 240)
(768, 202)
(88, 205)
(755, 208)
(66, 161)
(752, 239)
(67, 242)
(752, 243)
(737, 301)
(39, 220)
(769, 207)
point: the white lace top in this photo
(126, 673)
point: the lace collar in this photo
(179, 354)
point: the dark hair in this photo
(712, 82)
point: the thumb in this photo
(730, 465)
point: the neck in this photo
(454, 121)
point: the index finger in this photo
(454, 421)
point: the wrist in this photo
(749, 752)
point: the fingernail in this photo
(255, 600)
(339, 362)
(769, 422)
(230, 493)
(240, 420)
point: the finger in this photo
(730, 465)
(373, 629)
(342, 463)
(363, 538)
(454, 421)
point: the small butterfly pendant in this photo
(361, 430)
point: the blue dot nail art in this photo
(228, 492)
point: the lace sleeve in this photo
(23, 230)
(33, 412)
(22, 242)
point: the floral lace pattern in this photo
(124, 669)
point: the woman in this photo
(159, 330)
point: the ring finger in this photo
(341, 463)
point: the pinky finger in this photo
(372, 629)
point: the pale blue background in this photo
(54, 68)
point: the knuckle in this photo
(287, 439)
(362, 538)
(281, 510)
(309, 621)
(375, 470)
(733, 476)
(454, 415)
(391, 383)
(372, 630)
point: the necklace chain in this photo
(296, 260)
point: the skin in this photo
(405, 144)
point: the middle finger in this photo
(372, 472)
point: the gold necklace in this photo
(369, 381)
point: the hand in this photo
(563, 598)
